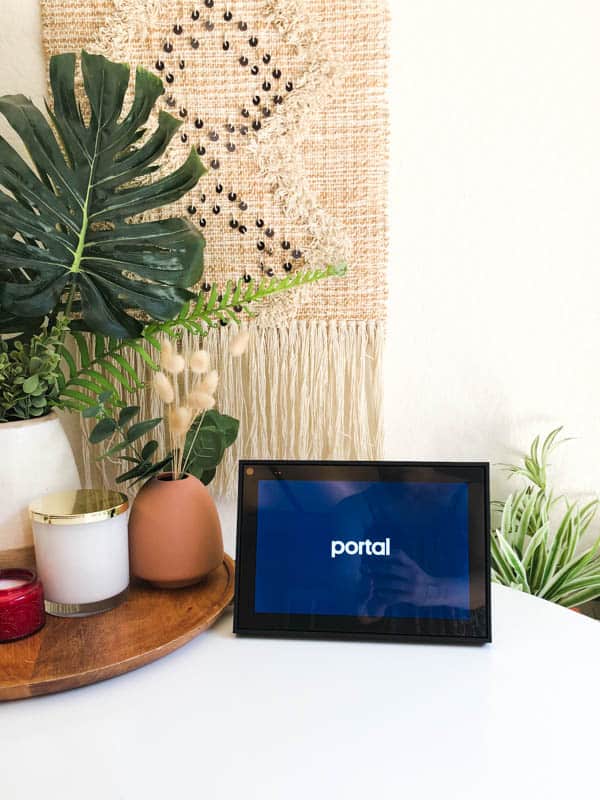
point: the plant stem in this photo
(193, 442)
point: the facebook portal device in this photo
(364, 550)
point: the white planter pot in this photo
(35, 458)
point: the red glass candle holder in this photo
(21, 604)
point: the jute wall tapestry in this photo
(285, 100)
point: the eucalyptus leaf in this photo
(142, 428)
(105, 428)
(127, 414)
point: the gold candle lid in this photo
(78, 507)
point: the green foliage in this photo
(207, 440)
(539, 549)
(107, 361)
(64, 240)
(30, 374)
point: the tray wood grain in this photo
(68, 653)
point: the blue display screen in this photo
(372, 549)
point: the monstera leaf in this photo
(64, 239)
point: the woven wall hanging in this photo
(285, 101)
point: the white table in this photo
(284, 720)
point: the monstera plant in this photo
(88, 276)
(66, 244)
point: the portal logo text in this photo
(367, 548)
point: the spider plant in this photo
(539, 545)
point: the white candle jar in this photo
(81, 550)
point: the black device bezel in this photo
(247, 622)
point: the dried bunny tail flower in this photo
(239, 344)
(180, 420)
(166, 352)
(200, 362)
(201, 401)
(163, 387)
(210, 382)
(175, 364)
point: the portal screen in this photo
(366, 549)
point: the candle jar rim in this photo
(28, 576)
(78, 507)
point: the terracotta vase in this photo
(174, 532)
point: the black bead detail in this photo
(230, 147)
(238, 309)
(296, 253)
(285, 245)
(277, 74)
(243, 26)
(191, 210)
(270, 272)
(243, 129)
(245, 113)
(177, 30)
(182, 64)
(230, 128)
(216, 209)
(202, 222)
(260, 245)
(184, 137)
(244, 61)
(183, 112)
(228, 16)
(168, 47)
(266, 86)
(255, 70)
(198, 123)
(223, 322)
(232, 196)
(226, 45)
(260, 223)
(287, 267)
(243, 229)
(171, 101)
(247, 278)
(169, 77)
(195, 15)
(256, 100)
(213, 136)
(253, 41)
(289, 86)
(210, 26)
(209, 3)
(243, 206)
(215, 163)
(257, 125)
(266, 58)
(266, 111)
(270, 233)
(234, 223)
(203, 198)
(219, 188)
(201, 150)
(206, 287)
(160, 65)
(278, 99)
(195, 44)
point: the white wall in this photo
(495, 247)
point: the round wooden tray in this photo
(68, 653)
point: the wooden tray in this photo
(68, 653)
